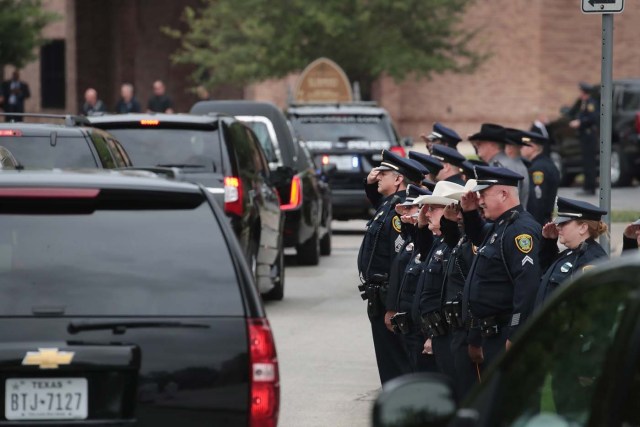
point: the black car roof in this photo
(131, 118)
(90, 178)
(315, 109)
(254, 108)
(45, 129)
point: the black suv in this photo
(304, 193)
(127, 301)
(75, 144)
(225, 156)
(351, 137)
(576, 363)
(625, 137)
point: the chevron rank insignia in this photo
(524, 243)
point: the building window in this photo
(52, 75)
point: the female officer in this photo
(577, 226)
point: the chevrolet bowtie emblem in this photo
(48, 358)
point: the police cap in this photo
(430, 185)
(486, 176)
(518, 136)
(570, 209)
(413, 192)
(468, 166)
(444, 134)
(491, 132)
(585, 87)
(447, 154)
(430, 162)
(393, 162)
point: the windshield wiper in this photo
(180, 165)
(120, 328)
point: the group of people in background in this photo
(460, 253)
(159, 102)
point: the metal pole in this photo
(606, 99)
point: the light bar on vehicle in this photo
(149, 122)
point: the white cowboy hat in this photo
(441, 194)
(469, 186)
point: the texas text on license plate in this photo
(46, 399)
(345, 162)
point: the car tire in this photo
(309, 251)
(277, 293)
(325, 243)
(620, 170)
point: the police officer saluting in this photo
(577, 225)
(381, 243)
(501, 287)
(544, 177)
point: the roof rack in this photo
(69, 119)
(335, 104)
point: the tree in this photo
(21, 25)
(240, 42)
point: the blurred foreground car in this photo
(577, 363)
(127, 301)
(224, 155)
(304, 193)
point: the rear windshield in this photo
(168, 262)
(357, 132)
(199, 149)
(43, 152)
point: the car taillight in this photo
(149, 122)
(233, 195)
(10, 132)
(265, 378)
(398, 150)
(295, 195)
(50, 193)
(638, 123)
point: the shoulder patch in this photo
(591, 108)
(588, 267)
(524, 243)
(538, 177)
(397, 224)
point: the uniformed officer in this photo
(402, 299)
(544, 177)
(381, 243)
(489, 144)
(451, 161)
(577, 225)
(501, 287)
(432, 282)
(441, 135)
(468, 168)
(586, 122)
(631, 236)
(431, 163)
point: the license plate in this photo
(46, 399)
(345, 163)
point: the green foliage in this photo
(21, 24)
(239, 42)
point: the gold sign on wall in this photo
(323, 81)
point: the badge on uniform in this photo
(566, 267)
(588, 267)
(538, 192)
(591, 108)
(397, 224)
(524, 243)
(538, 177)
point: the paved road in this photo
(325, 350)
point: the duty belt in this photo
(434, 324)
(492, 325)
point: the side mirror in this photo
(407, 141)
(328, 169)
(415, 400)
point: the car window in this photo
(262, 133)
(45, 152)
(354, 131)
(120, 156)
(630, 100)
(305, 159)
(161, 262)
(553, 375)
(100, 143)
(259, 160)
(165, 146)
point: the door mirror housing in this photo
(416, 400)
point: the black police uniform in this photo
(544, 180)
(503, 281)
(569, 261)
(457, 270)
(588, 115)
(430, 306)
